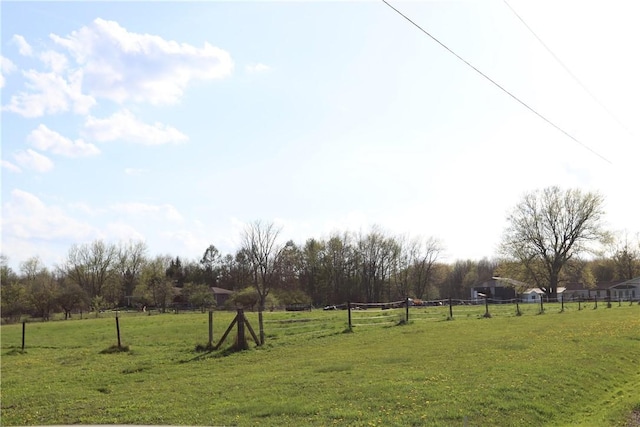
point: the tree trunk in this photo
(553, 287)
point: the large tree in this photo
(260, 244)
(92, 266)
(550, 227)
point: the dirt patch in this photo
(634, 419)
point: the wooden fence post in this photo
(561, 302)
(24, 326)
(450, 309)
(518, 313)
(118, 330)
(541, 303)
(349, 313)
(486, 307)
(210, 328)
(406, 317)
(241, 343)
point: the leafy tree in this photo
(42, 294)
(175, 272)
(211, 264)
(159, 286)
(295, 296)
(550, 227)
(312, 276)
(14, 301)
(460, 277)
(246, 298)
(12, 292)
(289, 267)
(97, 304)
(71, 297)
(199, 295)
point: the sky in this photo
(178, 123)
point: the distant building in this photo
(534, 294)
(629, 289)
(221, 295)
(495, 289)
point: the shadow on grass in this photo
(210, 352)
(115, 349)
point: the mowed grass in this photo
(569, 368)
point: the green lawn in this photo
(570, 368)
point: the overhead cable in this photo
(497, 84)
(573, 76)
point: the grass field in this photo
(570, 368)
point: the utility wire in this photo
(577, 80)
(497, 84)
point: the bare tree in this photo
(91, 266)
(424, 264)
(131, 257)
(550, 227)
(626, 258)
(260, 244)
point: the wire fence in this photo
(292, 327)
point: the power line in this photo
(497, 84)
(575, 78)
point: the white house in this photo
(626, 290)
(534, 294)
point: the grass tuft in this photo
(204, 348)
(115, 349)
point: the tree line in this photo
(372, 266)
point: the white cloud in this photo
(10, 166)
(192, 243)
(124, 66)
(31, 159)
(25, 216)
(120, 231)
(83, 207)
(135, 208)
(51, 93)
(257, 68)
(125, 126)
(45, 139)
(6, 67)
(54, 60)
(24, 48)
(135, 171)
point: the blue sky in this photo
(177, 123)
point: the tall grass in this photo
(569, 368)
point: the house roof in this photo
(506, 281)
(220, 291)
(633, 282)
(602, 286)
(500, 282)
(561, 289)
